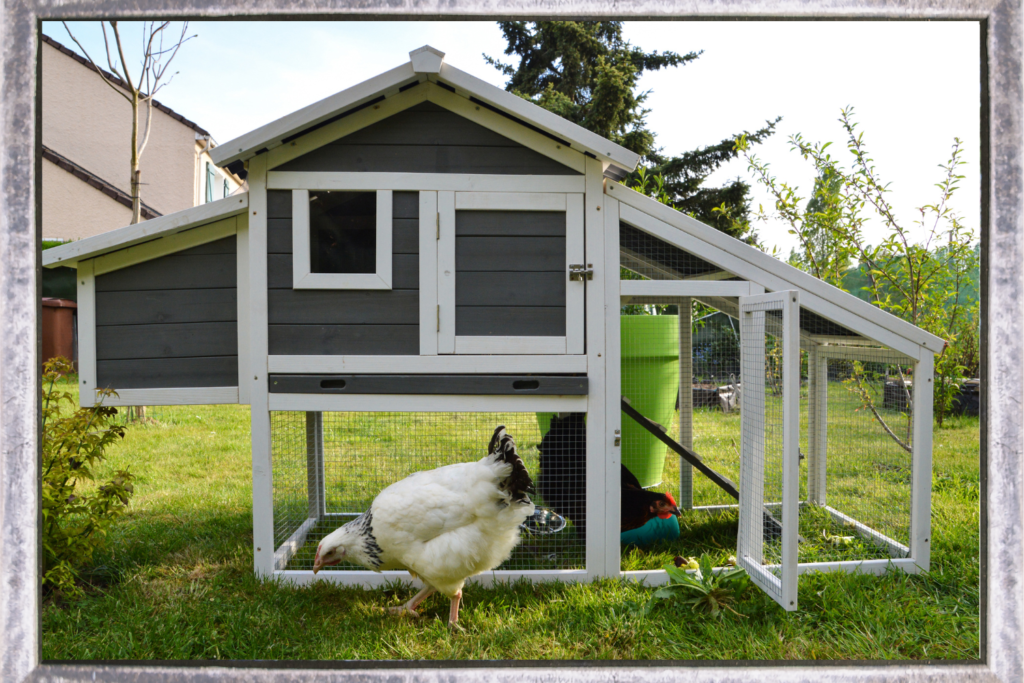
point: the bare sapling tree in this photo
(139, 90)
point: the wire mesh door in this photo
(769, 453)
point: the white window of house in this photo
(341, 239)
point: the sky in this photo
(914, 86)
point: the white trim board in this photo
(71, 253)
(453, 182)
(199, 396)
(428, 403)
(685, 288)
(427, 365)
(370, 579)
(86, 285)
(516, 345)
(746, 261)
(147, 251)
(302, 275)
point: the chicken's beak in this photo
(317, 564)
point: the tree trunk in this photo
(136, 173)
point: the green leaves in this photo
(76, 512)
(703, 590)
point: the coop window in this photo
(341, 239)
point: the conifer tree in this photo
(586, 72)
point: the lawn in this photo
(175, 579)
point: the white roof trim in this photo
(766, 263)
(422, 62)
(71, 253)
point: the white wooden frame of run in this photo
(749, 543)
(303, 276)
(920, 506)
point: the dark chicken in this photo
(562, 481)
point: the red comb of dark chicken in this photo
(640, 506)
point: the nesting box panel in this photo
(170, 322)
(426, 138)
(510, 273)
(339, 322)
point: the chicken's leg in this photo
(410, 607)
(453, 615)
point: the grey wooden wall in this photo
(170, 322)
(510, 273)
(427, 139)
(340, 322)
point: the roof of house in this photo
(118, 81)
(156, 228)
(90, 178)
(426, 63)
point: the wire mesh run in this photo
(329, 467)
(860, 480)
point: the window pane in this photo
(209, 182)
(343, 232)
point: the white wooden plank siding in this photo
(174, 397)
(512, 345)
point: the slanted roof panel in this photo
(71, 253)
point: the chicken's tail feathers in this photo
(518, 483)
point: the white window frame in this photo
(303, 278)
(450, 202)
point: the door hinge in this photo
(577, 271)
(437, 225)
(439, 317)
(618, 437)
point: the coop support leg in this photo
(685, 400)
(921, 463)
(315, 475)
(817, 426)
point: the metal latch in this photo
(618, 438)
(577, 271)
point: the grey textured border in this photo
(1002, 583)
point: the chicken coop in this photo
(423, 256)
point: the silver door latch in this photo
(618, 438)
(577, 271)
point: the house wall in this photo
(73, 209)
(427, 138)
(336, 321)
(90, 124)
(170, 322)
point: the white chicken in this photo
(442, 525)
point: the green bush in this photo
(76, 513)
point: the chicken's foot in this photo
(453, 614)
(410, 607)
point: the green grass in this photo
(175, 579)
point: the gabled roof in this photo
(156, 228)
(425, 63)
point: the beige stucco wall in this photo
(90, 124)
(73, 209)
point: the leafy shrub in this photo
(75, 516)
(703, 591)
